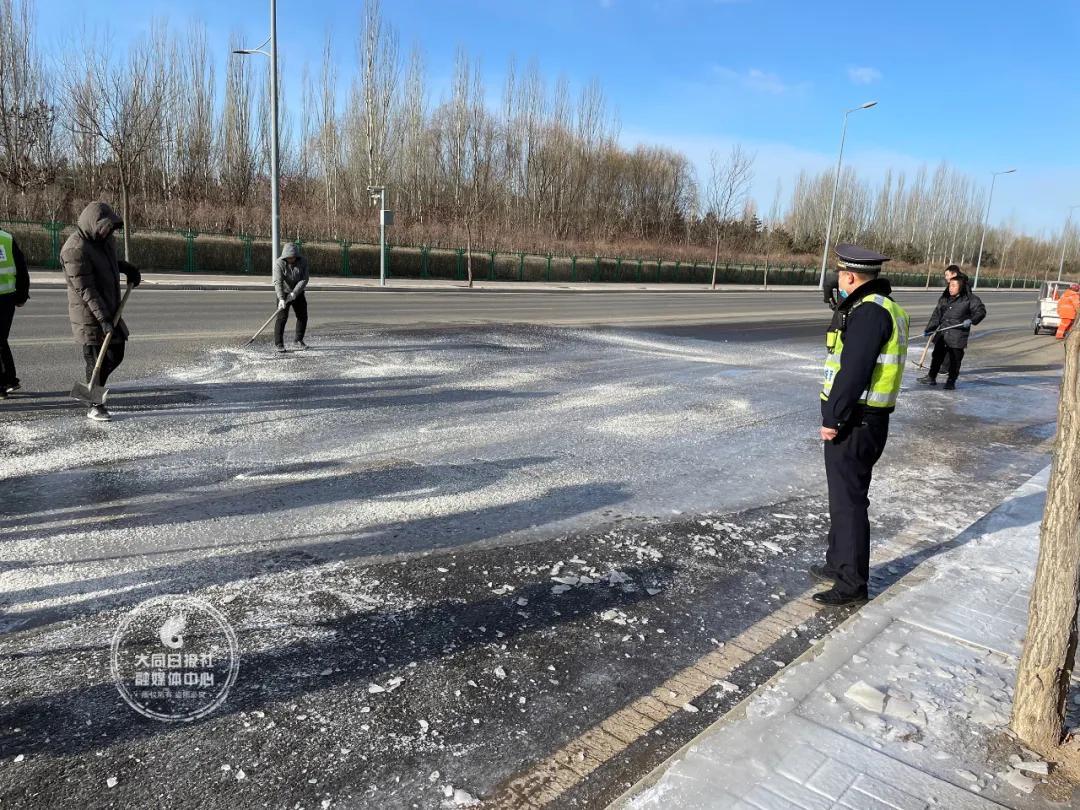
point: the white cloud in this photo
(863, 75)
(757, 80)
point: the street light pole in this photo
(836, 184)
(986, 220)
(275, 213)
(378, 194)
(1065, 240)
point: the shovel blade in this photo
(91, 396)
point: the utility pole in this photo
(986, 220)
(1065, 240)
(275, 172)
(836, 183)
(386, 217)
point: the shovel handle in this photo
(261, 328)
(108, 338)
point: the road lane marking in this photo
(564, 770)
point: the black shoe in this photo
(300, 345)
(12, 386)
(822, 573)
(835, 598)
(927, 380)
(3, 393)
(98, 413)
(280, 349)
(950, 385)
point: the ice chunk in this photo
(866, 696)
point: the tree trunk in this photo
(1042, 681)
(124, 215)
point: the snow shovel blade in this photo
(91, 396)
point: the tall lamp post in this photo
(836, 184)
(275, 215)
(986, 219)
(378, 194)
(1065, 240)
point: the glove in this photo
(134, 277)
(290, 297)
(106, 328)
(281, 304)
(967, 323)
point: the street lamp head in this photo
(1007, 171)
(244, 52)
(868, 105)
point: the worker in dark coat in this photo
(960, 309)
(867, 345)
(93, 270)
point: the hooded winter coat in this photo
(290, 280)
(93, 273)
(955, 309)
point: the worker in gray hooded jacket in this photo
(290, 282)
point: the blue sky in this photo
(984, 85)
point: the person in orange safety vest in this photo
(1067, 306)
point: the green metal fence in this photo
(190, 251)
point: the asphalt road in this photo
(175, 326)
(454, 542)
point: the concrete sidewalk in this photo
(906, 705)
(261, 281)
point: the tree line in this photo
(179, 135)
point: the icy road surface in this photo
(296, 493)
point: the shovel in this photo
(931, 340)
(261, 328)
(91, 392)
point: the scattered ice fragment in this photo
(463, 798)
(20, 757)
(1019, 781)
(424, 726)
(394, 683)
(968, 775)
(375, 688)
(569, 579)
(771, 546)
(690, 707)
(727, 686)
(784, 517)
(866, 696)
(327, 671)
(500, 673)
(557, 589)
(522, 601)
(240, 774)
(1039, 767)
(111, 781)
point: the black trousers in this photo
(299, 305)
(942, 353)
(114, 356)
(849, 464)
(7, 362)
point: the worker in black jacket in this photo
(956, 312)
(14, 292)
(867, 345)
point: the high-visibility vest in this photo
(7, 263)
(889, 369)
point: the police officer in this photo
(867, 345)
(14, 292)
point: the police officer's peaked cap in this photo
(861, 260)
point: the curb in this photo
(871, 625)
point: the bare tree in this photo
(27, 118)
(727, 192)
(120, 105)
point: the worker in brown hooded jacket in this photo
(93, 270)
